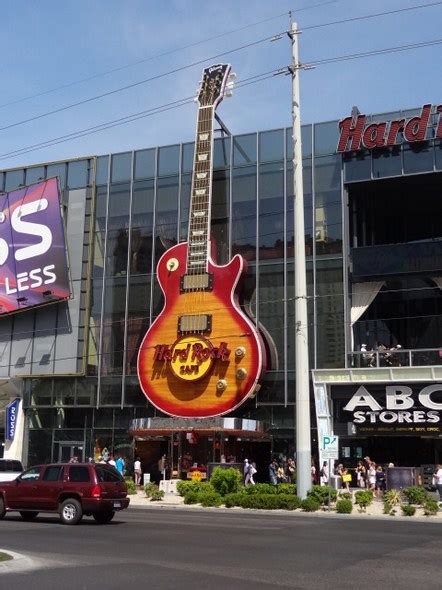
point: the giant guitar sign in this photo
(202, 356)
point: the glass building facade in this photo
(76, 362)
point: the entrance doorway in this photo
(67, 450)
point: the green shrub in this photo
(416, 495)
(191, 497)
(363, 498)
(231, 500)
(260, 501)
(321, 494)
(261, 488)
(430, 507)
(388, 508)
(226, 481)
(131, 487)
(344, 506)
(150, 488)
(209, 498)
(408, 510)
(156, 495)
(288, 501)
(285, 488)
(393, 497)
(195, 486)
(310, 504)
(345, 496)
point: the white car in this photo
(10, 469)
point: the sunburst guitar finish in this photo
(205, 373)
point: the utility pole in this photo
(303, 445)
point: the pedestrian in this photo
(361, 475)
(250, 473)
(137, 471)
(380, 481)
(323, 474)
(119, 464)
(345, 477)
(162, 464)
(371, 475)
(112, 461)
(280, 474)
(313, 473)
(291, 470)
(273, 467)
(245, 470)
(437, 480)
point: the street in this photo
(173, 548)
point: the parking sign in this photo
(330, 447)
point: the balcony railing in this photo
(422, 357)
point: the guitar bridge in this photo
(197, 282)
(188, 324)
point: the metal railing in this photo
(419, 357)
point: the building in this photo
(373, 235)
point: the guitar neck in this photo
(201, 195)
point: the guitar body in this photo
(202, 356)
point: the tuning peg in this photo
(230, 84)
(232, 76)
(228, 93)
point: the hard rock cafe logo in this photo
(191, 357)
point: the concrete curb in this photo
(289, 513)
(19, 563)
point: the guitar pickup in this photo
(196, 282)
(188, 324)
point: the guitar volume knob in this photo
(221, 385)
(240, 352)
(241, 374)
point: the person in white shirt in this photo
(137, 471)
(437, 478)
(323, 474)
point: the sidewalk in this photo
(374, 511)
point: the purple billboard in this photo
(33, 265)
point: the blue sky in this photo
(48, 44)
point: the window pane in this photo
(53, 473)
(271, 211)
(142, 227)
(78, 173)
(387, 162)
(418, 157)
(188, 154)
(357, 166)
(121, 167)
(113, 326)
(14, 178)
(221, 153)
(168, 159)
(244, 212)
(244, 149)
(166, 215)
(102, 171)
(118, 229)
(271, 145)
(79, 473)
(145, 164)
(57, 170)
(326, 138)
(35, 174)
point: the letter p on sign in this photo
(330, 447)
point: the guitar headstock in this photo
(213, 85)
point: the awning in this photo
(145, 428)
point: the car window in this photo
(108, 474)
(53, 473)
(32, 474)
(79, 473)
(16, 466)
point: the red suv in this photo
(71, 489)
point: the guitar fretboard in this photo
(200, 200)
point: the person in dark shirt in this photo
(380, 481)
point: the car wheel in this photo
(103, 517)
(70, 511)
(27, 516)
(2, 508)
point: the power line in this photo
(370, 16)
(135, 84)
(372, 53)
(129, 118)
(163, 54)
